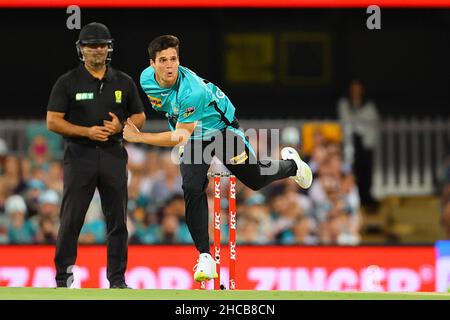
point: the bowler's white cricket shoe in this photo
(304, 175)
(205, 269)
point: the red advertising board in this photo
(260, 268)
(226, 3)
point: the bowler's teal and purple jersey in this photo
(190, 99)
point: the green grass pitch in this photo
(8, 293)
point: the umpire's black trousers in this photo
(87, 167)
(233, 150)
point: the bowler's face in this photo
(166, 67)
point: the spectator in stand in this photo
(3, 196)
(32, 193)
(359, 119)
(136, 157)
(336, 203)
(47, 219)
(137, 221)
(94, 227)
(3, 154)
(248, 231)
(136, 198)
(256, 225)
(39, 153)
(334, 214)
(445, 200)
(302, 232)
(47, 232)
(286, 206)
(151, 172)
(4, 239)
(53, 178)
(290, 137)
(168, 184)
(445, 219)
(319, 152)
(12, 177)
(172, 231)
(20, 231)
(146, 230)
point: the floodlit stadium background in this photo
(283, 68)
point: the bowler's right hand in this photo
(98, 133)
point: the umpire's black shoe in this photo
(61, 284)
(121, 285)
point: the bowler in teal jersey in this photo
(202, 120)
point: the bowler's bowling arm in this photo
(169, 138)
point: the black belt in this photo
(91, 143)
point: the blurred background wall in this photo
(283, 69)
(273, 63)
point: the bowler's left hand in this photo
(130, 132)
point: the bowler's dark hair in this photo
(162, 43)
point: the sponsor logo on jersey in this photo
(118, 95)
(175, 109)
(188, 112)
(220, 94)
(156, 102)
(84, 96)
(239, 158)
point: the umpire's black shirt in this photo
(86, 100)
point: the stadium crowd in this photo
(445, 199)
(282, 213)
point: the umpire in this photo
(87, 106)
